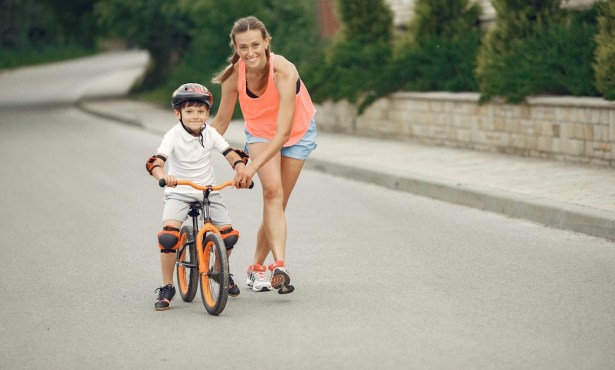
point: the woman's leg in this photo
(278, 178)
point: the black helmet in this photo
(192, 92)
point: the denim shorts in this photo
(301, 150)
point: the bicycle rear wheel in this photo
(187, 266)
(214, 281)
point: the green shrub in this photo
(439, 64)
(605, 51)
(537, 48)
(442, 18)
(356, 61)
(440, 48)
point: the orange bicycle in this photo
(202, 255)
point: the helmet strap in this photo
(199, 134)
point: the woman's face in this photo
(251, 47)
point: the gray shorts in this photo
(176, 207)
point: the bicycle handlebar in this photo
(163, 183)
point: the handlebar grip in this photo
(251, 185)
(162, 183)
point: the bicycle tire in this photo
(214, 281)
(187, 277)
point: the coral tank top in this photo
(261, 113)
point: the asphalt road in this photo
(384, 279)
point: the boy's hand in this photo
(170, 180)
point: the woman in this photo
(280, 135)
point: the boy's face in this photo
(193, 116)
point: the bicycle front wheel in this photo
(214, 281)
(187, 266)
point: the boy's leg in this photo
(167, 260)
(167, 266)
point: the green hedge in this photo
(547, 51)
(605, 51)
(356, 63)
(439, 51)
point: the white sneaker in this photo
(257, 278)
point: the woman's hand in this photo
(243, 176)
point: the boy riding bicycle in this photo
(187, 148)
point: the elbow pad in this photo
(149, 165)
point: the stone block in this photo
(604, 116)
(464, 135)
(486, 124)
(544, 144)
(594, 115)
(543, 128)
(541, 112)
(436, 106)
(518, 141)
(572, 147)
(583, 115)
(556, 128)
(601, 133)
(499, 123)
(563, 114)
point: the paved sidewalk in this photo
(568, 196)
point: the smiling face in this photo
(251, 47)
(193, 116)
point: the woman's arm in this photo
(227, 104)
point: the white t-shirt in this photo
(188, 159)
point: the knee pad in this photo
(230, 237)
(168, 239)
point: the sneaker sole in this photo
(286, 289)
(281, 280)
(250, 284)
(263, 289)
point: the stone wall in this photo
(572, 129)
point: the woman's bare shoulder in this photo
(284, 66)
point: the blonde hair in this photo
(244, 25)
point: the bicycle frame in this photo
(207, 226)
(205, 256)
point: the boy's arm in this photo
(234, 157)
(155, 167)
(236, 161)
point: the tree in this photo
(160, 26)
(537, 48)
(605, 51)
(356, 61)
(440, 48)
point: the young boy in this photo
(187, 148)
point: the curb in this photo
(562, 216)
(82, 105)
